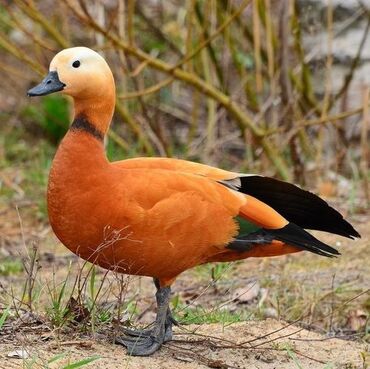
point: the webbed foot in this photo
(141, 345)
(147, 341)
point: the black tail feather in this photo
(291, 234)
(294, 235)
(301, 207)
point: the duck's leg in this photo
(170, 320)
(147, 342)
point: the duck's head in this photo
(79, 72)
(83, 74)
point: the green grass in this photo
(50, 114)
(199, 315)
(4, 316)
(80, 299)
(214, 271)
(10, 266)
(59, 296)
(81, 363)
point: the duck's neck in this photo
(94, 114)
(83, 145)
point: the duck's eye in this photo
(76, 64)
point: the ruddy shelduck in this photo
(158, 217)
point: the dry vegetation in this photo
(228, 83)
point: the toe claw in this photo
(141, 346)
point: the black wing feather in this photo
(301, 207)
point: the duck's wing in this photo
(185, 209)
(198, 210)
(299, 206)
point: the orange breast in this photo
(138, 224)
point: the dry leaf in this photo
(19, 354)
(357, 320)
(78, 311)
(217, 364)
(270, 313)
(185, 359)
(246, 294)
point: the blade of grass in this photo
(81, 363)
(293, 357)
(4, 316)
(56, 358)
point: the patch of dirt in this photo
(206, 346)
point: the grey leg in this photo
(148, 342)
(147, 332)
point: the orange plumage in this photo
(158, 216)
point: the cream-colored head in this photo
(83, 74)
(83, 71)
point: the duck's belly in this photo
(125, 242)
(125, 249)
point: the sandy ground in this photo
(290, 347)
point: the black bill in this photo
(49, 84)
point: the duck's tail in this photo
(303, 208)
(291, 234)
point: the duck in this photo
(158, 217)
